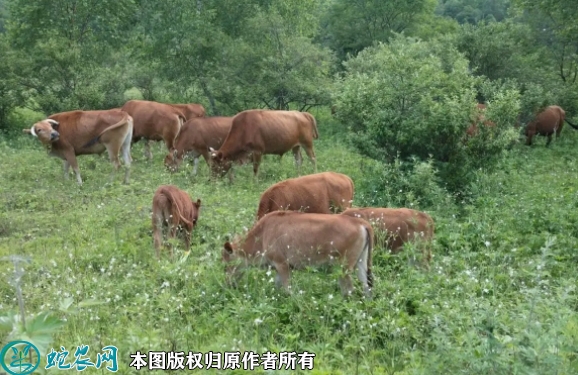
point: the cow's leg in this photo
(298, 158)
(66, 167)
(70, 157)
(147, 153)
(346, 284)
(113, 149)
(195, 164)
(125, 151)
(549, 139)
(172, 235)
(283, 276)
(311, 155)
(256, 161)
(187, 240)
(157, 235)
(362, 271)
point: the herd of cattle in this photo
(304, 221)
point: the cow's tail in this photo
(313, 125)
(571, 124)
(369, 248)
(177, 210)
(125, 119)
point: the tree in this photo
(352, 25)
(70, 51)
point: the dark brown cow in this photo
(546, 123)
(289, 240)
(396, 226)
(69, 134)
(173, 208)
(267, 132)
(315, 193)
(191, 110)
(195, 138)
(154, 122)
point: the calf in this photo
(286, 240)
(315, 193)
(154, 122)
(546, 123)
(174, 209)
(69, 134)
(191, 110)
(267, 132)
(396, 226)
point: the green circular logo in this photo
(19, 358)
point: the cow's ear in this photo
(198, 204)
(55, 124)
(228, 248)
(27, 131)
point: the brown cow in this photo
(195, 138)
(173, 208)
(69, 134)
(315, 193)
(396, 226)
(191, 110)
(154, 122)
(546, 123)
(267, 132)
(286, 240)
(479, 118)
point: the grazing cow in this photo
(546, 123)
(191, 110)
(396, 226)
(314, 193)
(267, 132)
(195, 138)
(154, 122)
(69, 134)
(173, 208)
(289, 240)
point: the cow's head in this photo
(45, 131)
(234, 261)
(197, 205)
(220, 165)
(173, 160)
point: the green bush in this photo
(416, 99)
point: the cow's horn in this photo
(32, 131)
(52, 122)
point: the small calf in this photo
(289, 239)
(396, 226)
(173, 208)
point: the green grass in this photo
(500, 296)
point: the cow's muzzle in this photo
(54, 136)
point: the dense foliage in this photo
(401, 79)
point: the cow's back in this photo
(150, 118)
(401, 224)
(312, 193)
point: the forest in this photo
(394, 86)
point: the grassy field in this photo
(500, 297)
